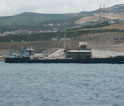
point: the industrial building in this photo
(81, 53)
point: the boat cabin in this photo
(81, 53)
(26, 53)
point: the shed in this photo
(78, 54)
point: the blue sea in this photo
(61, 85)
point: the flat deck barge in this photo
(115, 60)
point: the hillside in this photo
(112, 13)
(116, 8)
(119, 26)
(35, 19)
(28, 18)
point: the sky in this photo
(12, 7)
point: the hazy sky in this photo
(11, 7)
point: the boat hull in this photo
(85, 61)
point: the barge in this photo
(80, 55)
(115, 60)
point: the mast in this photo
(88, 39)
(65, 43)
(22, 44)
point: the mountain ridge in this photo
(34, 19)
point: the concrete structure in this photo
(83, 45)
(81, 53)
(78, 54)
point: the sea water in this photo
(61, 85)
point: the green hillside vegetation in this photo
(33, 19)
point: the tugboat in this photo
(80, 55)
(23, 56)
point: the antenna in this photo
(104, 11)
(100, 13)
